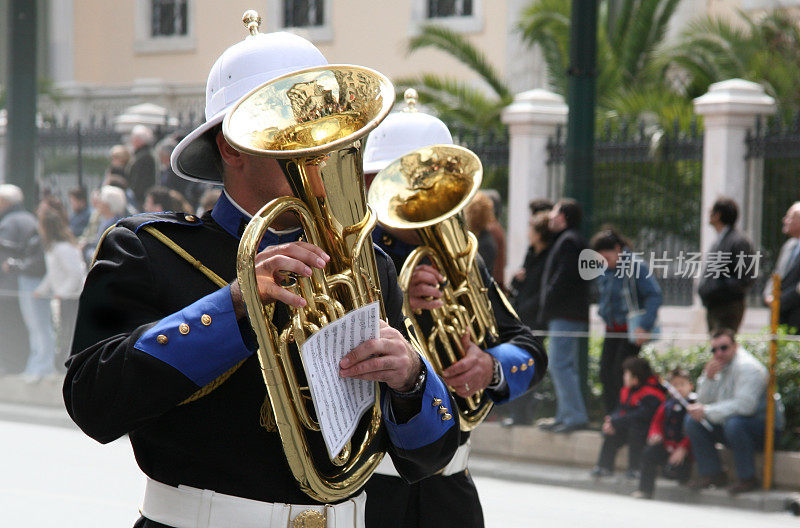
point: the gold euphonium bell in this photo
(313, 122)
(426, 191)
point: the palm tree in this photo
(459, 103)
(630, 82)
(763, 49)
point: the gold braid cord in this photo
(267, 419)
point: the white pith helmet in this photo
(257, 59)
(401, 132)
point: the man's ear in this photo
(230, 156)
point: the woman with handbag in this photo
(628, 304)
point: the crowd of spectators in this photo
(44, 254)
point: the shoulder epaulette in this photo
(136, 222)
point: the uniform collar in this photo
(232, 218)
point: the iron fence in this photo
(492, 148)
(647, 183)
(71, 154)
(777, 144)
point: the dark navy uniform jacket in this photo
(515, 345)
(152, 330)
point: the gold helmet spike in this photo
(411, 96)
(251, 21)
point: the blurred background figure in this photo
(207, 200)
(111, 205)
(499, 234)
(14, 347)
(621, 295)
(788, 267)
(23, 258)
(525, 288)
(141, 171)
(479, 214)
(80, 210)
(65, 271)
(564, 306)
(167, 177)
(119, 157)
(723, 287)
(131, 207)
(527, 281)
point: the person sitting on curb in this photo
(667, 444)
(732, 403)
(639, 399)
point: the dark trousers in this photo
(655, 456)
(435, 502)
(743, 434)
(615, 351)
(635, 437)
(727, 315)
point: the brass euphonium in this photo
(313, 123)
(425, 191)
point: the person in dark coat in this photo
(528, 281)
(788, 267)
(22, 257)
(639, 398)
(729, 272)
(564, 307)
(16, 226)
(164, 352)
(141, 170)
(505, 367)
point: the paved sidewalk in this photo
(666, 490)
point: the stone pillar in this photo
(729, 109)
(532, 118)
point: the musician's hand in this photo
(473, 372)
(390, 359)
(696, 411)
(423, 288)
(295, 257)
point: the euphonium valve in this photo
(313, 123)
(425, 191)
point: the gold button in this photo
(162, 339)
(513, 369)
(446, 416)
(191, 218)
(442, 409)
(530, 362)
(183, 328)
(205, 319)
(523, 367)
(436, 401)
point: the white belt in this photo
(185, 507)
(457, 464)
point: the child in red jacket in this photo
(666, 443)
(639, 399)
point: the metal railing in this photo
(647, 183)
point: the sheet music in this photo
(339, 402)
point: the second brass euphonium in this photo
(426, 190)
(313, 123)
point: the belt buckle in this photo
(309, 519)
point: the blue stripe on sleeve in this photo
(207, 350)
(517, 369)
(427, 426)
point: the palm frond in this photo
(458, 46)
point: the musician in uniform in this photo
(507, 368)
(164, 351)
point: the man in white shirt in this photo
(731, 400)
